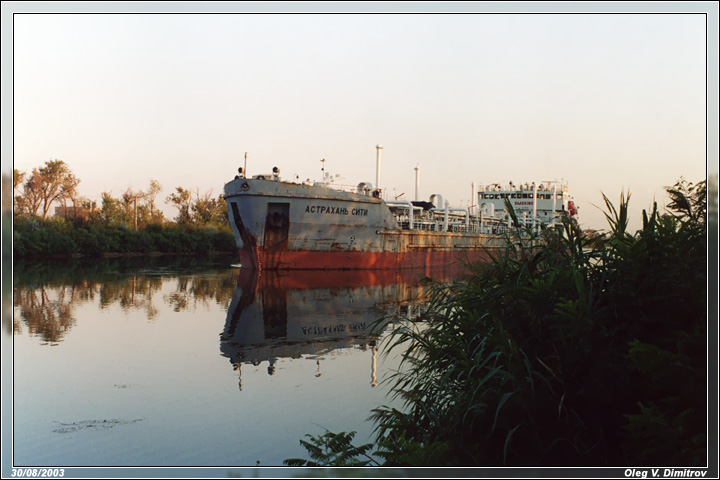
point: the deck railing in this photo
(435, 222)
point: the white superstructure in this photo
(545, 202)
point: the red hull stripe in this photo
(309, 260)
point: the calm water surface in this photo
(150, 362)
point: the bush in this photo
(35, 237)
(162, 242)
(223, 241)
(142, 242)
(42, 238)
(87, 242)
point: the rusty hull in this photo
(288, 226)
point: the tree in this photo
(203, 210)
(181, 200)
(19, 201)
(30, 199)
(83, 210)
(112, 210)
(150, 195)
(130, 202)
(209, 211)
(46, 185)
(135, 208)
(18, 177)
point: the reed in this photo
(562, 351)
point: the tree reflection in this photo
(202, 290)
(135, 293)
(46, 313)
(45, 300)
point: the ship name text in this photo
(322, 209)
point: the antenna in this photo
(245, 169)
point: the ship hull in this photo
(287, 226)
(357, 260)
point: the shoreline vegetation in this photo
(56, 238)
(50, 219)
(569, 352)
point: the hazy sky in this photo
(606, 102)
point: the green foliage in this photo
(94, 241)
(134, 209)
(210, 211)
(202, 223)
(333, 449)
(202, 211)
(399, 451)
(38, 237)
(35, 238)
(113, 211)
(666, 297)
(181, 200)
(563, 350)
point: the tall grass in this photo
(562, 351)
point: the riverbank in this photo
(48, 239)
(28, 272)
(56, 256)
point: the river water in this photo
(195, 362)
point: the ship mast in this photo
(377, 167)
(417, 181)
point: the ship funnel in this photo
(377, 166)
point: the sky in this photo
(609, 103)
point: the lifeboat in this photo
(572, 209)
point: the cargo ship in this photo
(321, 225)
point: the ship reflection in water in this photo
(276, 315)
